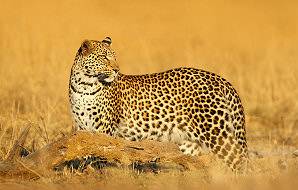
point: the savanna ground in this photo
(253, 44)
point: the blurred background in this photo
(253, 44)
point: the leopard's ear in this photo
(107, 41)
(86, 47)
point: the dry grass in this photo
(253, 44)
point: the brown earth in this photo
(149, 156)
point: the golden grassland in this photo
(253, 44)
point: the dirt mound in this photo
(98, 150)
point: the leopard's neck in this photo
(88, 101)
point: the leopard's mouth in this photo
(106, 78)
(102, 76)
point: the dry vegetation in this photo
(253, 44)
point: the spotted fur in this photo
(196, 109)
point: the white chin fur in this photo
(110, 79)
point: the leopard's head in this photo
(96, 60)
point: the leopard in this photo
(198, 110)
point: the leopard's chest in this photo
(91, 112)
(81, 108)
